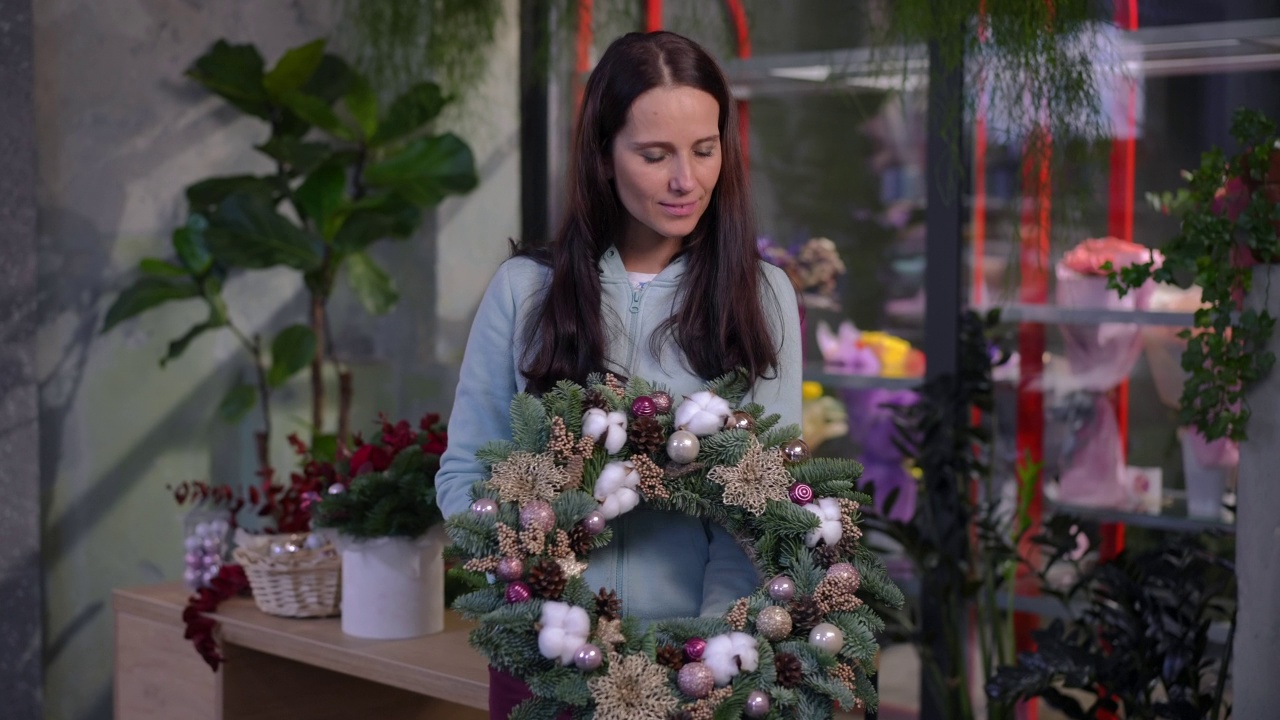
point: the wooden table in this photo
(282, 668)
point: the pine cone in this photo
(608, 606)
(547, 580)
(790, 670)
(805, 613)
(671, 656)
(827, 555)
(645, 434)
(580, 541)
(595, 399)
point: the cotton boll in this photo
(616, 436)
(594, 423)
(830, 529)
(616, 489)
(564, 629)
(727, 655)
(703, 413)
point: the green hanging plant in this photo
(1230, 217)
(1033, 64)
(397, 43)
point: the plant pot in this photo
(393, 588)
(1205, 482)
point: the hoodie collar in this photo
(613, 271)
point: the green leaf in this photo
(362, 101)
(377, 218)
(299, 157)
(321, 195)
(189, 242)
(179, 346)
(148, 292)
(376, 290)
(161, 268)
(207, 194)
(234, 72)
(237, 403)
(318, 113)
(427, 170)
(411, 111)
(291, 351)
(246, 232)
(331, 80)
(325, 448)
(294, 69)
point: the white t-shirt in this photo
(639, 280)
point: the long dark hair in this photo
(720, 328)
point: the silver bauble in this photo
(682, 446)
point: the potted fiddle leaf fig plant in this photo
(347, 173)
(1230, 219)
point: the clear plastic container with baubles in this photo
(206, 544)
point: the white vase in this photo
(393, 588)
(1205, 484)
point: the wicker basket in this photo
(306, 582)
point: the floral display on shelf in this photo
(814, 267)
(868, 352)
(228, 583)
(799, 646)
(387, 488)
(1098, 357)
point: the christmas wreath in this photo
(800, 645)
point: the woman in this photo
(654, 274)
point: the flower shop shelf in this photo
(283, 668)
(836, 377)
(1053, 314)
(1173, 518)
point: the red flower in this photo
(229, 582)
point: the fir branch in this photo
(780, 435)
(768, 422)
(731, 386)
(787, 518)
(571, 507)
(685, 628)
(732, 707)
(536, 708)
(573, 690)
(819, 472)
(481, 602)
(530, 429)
(834, 689)
(496, 451)
(859, 640)
(724, 448)
(565, 401)
(866, 691)
(812, 706)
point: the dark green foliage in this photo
(1143, 635)
(398, 502)
(1226, 350)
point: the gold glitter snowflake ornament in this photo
(525, 477)
(758, 478)
(635, 688)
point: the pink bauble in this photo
(538, 514)
(594, 522)
(644, 406)
(800, 494)
(588, 657)
(509, 568)
(484, 506)
(696, 680)
(661, 402)
(694, 647)
(518, 592)
(782, 588)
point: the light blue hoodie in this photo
(661, 564)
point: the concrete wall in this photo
(20, 596)
(119, 133)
